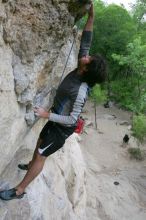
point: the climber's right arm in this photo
(86, 38)
(90, 20)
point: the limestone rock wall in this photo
(57, 193)
(35, 39)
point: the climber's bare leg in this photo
(39, 142)
(36, 167)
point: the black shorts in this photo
(53, 137)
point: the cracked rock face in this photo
(57, 193)
(35, 40)
(33, 27)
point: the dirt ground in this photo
(116, 184)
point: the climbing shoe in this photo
(23, 166)
(10, 194)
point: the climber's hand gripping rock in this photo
(41, 112)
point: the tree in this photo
(135, 60)
(139, 10)
(114, 28)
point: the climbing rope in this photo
(68, 57)
(95, 115)
(45, 93)
(75, 34)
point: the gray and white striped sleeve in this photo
(78, 104)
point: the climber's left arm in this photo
(41, 112)
(78, 102)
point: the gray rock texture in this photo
(35, 40)
(57, 193)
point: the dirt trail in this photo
(108, 162)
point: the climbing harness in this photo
(80, 125)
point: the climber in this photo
(70, 98)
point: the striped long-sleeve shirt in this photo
(72, 92)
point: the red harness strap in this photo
(80, 125)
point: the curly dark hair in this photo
(96, 71)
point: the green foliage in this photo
(136, 153)
(138, 16)
(139, 127)
(126, 93)
(97, 94)
(142, 32)
(120, 37)
(131, 90)
(113, 29)
(121, 92)
(135, 58)
(139, 10)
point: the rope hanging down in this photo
(68, 57)
(45, 93)
(50, 90)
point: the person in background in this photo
(70, 98)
